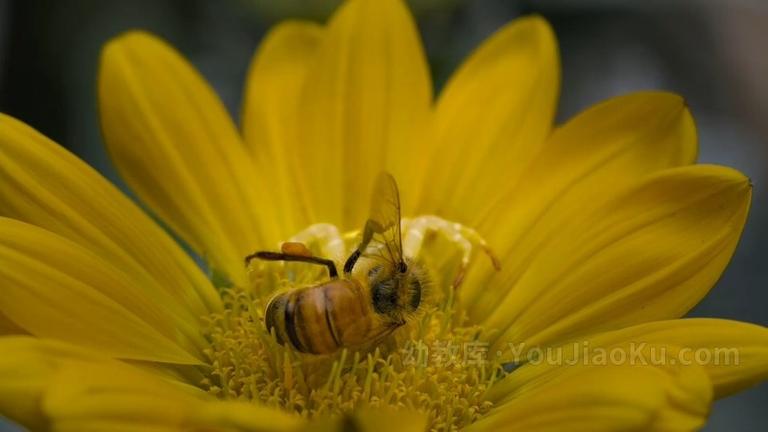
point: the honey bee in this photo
(347, 311)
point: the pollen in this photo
(435, 364)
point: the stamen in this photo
(436, 364)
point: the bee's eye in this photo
(384, 295)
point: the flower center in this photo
(436, 363)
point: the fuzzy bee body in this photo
(343, 313)
(365, 304)
(323, 318)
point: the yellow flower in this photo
(607, 232)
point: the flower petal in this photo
(174, 143)
(43, 184)
(372, 420)
(8, 327)
(53, 385)
(490, 121)
(602, 150)
(26, 367)
(370, 91)
(734, 354)
(111, 397)
(242, 416)
(86, 396)
(382, 419)
(651, 252)
(270, 113)
(601, 397)
(54, 288)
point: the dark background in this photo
(714, 53)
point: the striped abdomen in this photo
(323, 318)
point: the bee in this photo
(347, 311)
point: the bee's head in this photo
(396, 289)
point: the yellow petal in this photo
(8, 327)
(372, 420)
(26, 367)
(602, 150)
(174, 143)
(242, 416)
(734, 354)
(82, 395)
(54, 288)
(270, 121)
(382, 420)
(48, 384)
(651, 252)
(370, 90)
(490, 121)
(87, 397)
(45, 185)
(600, 397)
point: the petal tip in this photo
(130, 37)
(134, 34)
(535, 25)
(663, 98)
(537, 21)
(292, 26)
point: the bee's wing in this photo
(382, 230)
(385, 215)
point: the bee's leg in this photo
(281, 256)
(464, 237)
(327, 236)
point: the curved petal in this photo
(372, 420)
(174, 143)
(602, 150)
(270, 119)
(370, 91)
(53, 385)
(104, 397)
(242, 416)
(113, 397)
(599, 396)
(734, 354)
(56, 289)
(8, 327)
(43, 184)
(651, 252)
(26, 368)
(490, 121)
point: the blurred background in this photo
(714, 53)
